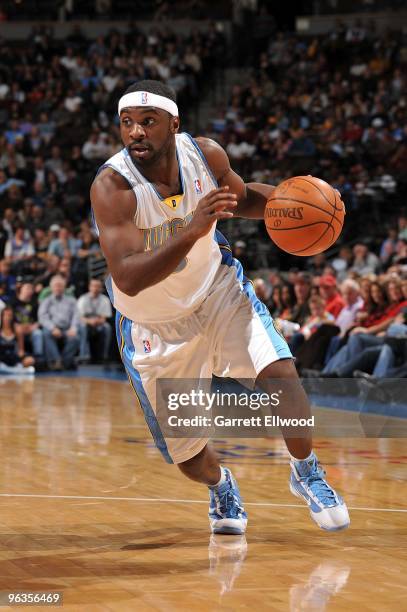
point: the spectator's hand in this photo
(361, 316)
(359, 330)
(71, 332)
(56, 332)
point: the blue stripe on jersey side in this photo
(109, 288)
(278, 340)
(202, 156)
(127, 350)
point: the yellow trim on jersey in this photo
(173, 201)
(121, 335)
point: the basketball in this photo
(304, 215)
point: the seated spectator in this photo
(53, 215)
(353, 303)
(364, 261)
(59, 318)
(329, 292)
(374, 303)
(262, 290)
(395, 303)
(382, 363)
(7, 281)
(96, 148)
(342, 263)
(347, 317)
(288, 301)
(302, 290)
(389, 246)
(95, 310)
(276, 305)
(368, 336)
(369, 353)
(27, 329)
(315, 265)
(64, 245)
(10, 361)
(318, 315)
(19, 247)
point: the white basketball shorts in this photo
(231, 334)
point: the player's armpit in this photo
(219, 163)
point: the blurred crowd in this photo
(58, 114)
(293, 115)
(334, 107)
(343, 318)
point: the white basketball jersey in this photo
(159, 219)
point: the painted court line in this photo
(178, 501)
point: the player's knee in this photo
(284, 368)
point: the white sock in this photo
(221, 480)
(310, 456)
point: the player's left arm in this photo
(251, 197)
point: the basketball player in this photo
(184, 308)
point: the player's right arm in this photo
(133, 269)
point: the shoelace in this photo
(228, 504)
(318, 486)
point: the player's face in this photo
(147, 133)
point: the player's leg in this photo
(179, 350)
(203, 467)
(327, 508)
(293, 403)
(226, 511)
(253, 348)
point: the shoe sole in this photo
(297, 494)
(228, 531)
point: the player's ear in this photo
(174, 125)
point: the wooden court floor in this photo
(88, 507)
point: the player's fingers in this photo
(222, 214)
(221, 204)
(216, 197)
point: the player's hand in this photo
(217, 204)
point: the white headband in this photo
(145, 98)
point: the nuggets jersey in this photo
(161, 218)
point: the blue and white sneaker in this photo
(326, 507)
(226, 512)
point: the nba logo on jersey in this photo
(198, 187)
(147, 346)
(144, 97)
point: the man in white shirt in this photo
(353, 303)
(94, 310)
